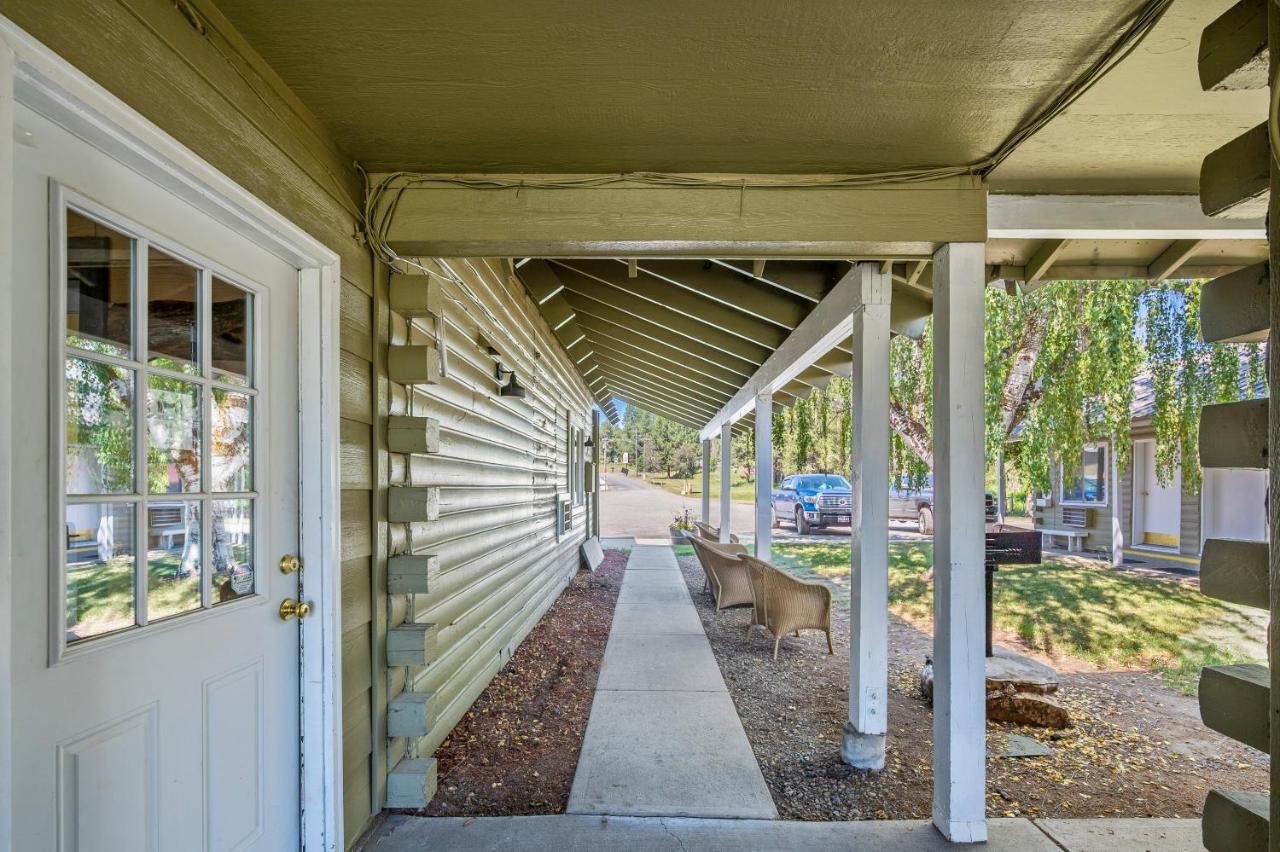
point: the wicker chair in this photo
(726, 572)
(710, 533)
(784, 604)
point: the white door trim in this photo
(34, 76)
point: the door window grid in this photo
(170, 447)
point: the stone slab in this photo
(1017, 745)
(1006, 666)
(655, 618)
(654, 594)
(1130, 835)
(402, 833)
(668, 754)
(660, 662)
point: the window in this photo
(157, 408)
(1086, 482)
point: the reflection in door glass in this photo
(173, 435)
(173, 558)
(173, 311)
(231, 441)
(99, 424)
(233, 568)
(99, 566)
(99, 287)
(232, 325)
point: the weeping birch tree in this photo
(1060, 369)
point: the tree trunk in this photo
(1024, 364)
(912, 432)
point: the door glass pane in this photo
(100, 554)
(232, 325)
(173, 435)
(99, 287)
(173, 310)
(173, 558)
(233, 570)
(231, 447)
(99, 424)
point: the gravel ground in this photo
(1137, 749)
(516, 749)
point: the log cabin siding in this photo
(502, 465)
(214, 94)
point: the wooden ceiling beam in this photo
(668, 296)
(604, 317)
(1040, 262)
(1172, 259)
(683, 368)
(662, 386)
(621, 219)
(580, 289)
(808, 279)
(693, 387)
(765, 303)
(599, 330)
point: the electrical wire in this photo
(383, 198)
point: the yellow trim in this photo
(1160, 539)
(1172, 557)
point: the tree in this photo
(743, 453)
(1060, 368)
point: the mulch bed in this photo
(516, 749)
(1136, 749)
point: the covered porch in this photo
(529, 214)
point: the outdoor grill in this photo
(1007, 547)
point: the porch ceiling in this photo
(562, 86)
(680, 337)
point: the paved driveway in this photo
(632, 507)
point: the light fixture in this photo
(588, 443)
(512, 388)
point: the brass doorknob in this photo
(289, 563)
(289, 608)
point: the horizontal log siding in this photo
(501, 466)
(215, 95)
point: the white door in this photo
(155, 684)
(1157, 508)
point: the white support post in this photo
(959, 661)
(764, 476)
(864, 734)
(726, 478)
(706, 481)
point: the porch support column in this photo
(764, 476)
(959, 663)
(726, 478)
(864, 733)
(1117, 528)
(706, 481)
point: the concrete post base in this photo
(862, 751)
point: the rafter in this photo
(1040, 262)
(672, 298)
(1172, 258)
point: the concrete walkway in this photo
(651, 834)
(664, 738)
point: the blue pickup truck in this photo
(812, 501)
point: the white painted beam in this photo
(959, 663)
(1111, 217)
(726, 479)
(1040, 262)
(1172, 259)
(764, 476)
(864, 734)
(826, 326)
(706, 480)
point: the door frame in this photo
(33, 75)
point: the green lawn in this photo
(740, 490)
(1111, 619)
